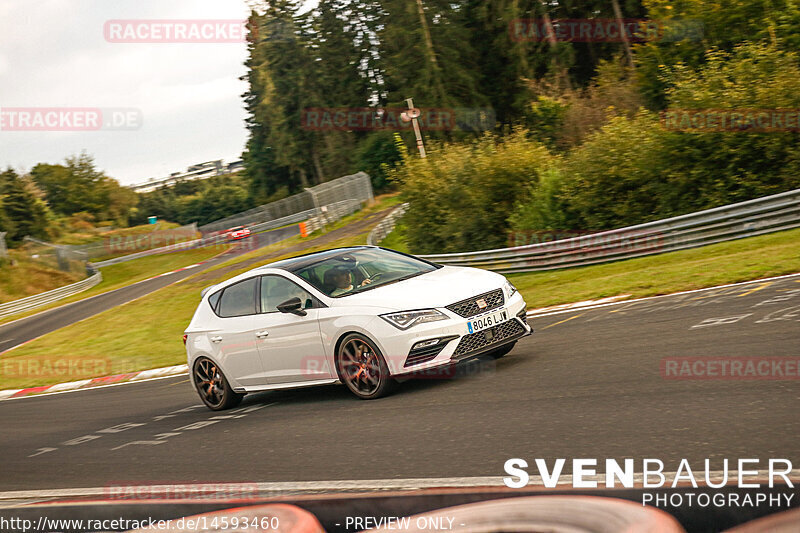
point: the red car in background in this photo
(237, 232)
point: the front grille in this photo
(477, 341)
(469, 307)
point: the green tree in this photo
(25, 213)
(79, 186)
(427, 54)
(261, 167)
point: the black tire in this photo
(362, 368)
(212, 386)
(502, 351)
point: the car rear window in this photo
(238, 299)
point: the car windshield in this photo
(355, 271)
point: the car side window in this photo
(238, 299)
(276, 289)
(213, 299)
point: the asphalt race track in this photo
(25, 329)
(586, 384)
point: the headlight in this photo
(509, 289)
(406, 319)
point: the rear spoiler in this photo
(205, 291)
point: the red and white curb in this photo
(96, 382)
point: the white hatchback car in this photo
(362, 316)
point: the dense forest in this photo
(571, 133)
(577, 141)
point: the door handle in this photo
(262, 334)
(218, 338)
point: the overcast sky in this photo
(54, 54)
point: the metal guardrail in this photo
(745, 219)
(177, 247)
(331, 213)
(386, 225)
(39, 300)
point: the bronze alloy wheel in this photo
(212, 386)
(362, 368)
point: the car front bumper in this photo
(455, 344)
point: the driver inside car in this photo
(341, 279)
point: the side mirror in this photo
(292, 305)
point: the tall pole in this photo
(551, 38)
(622, 32)
(413, 113)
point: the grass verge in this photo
(26, 278)
(716, 264)
(122, 274)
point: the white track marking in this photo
(591, 305)
(299, 487)
(4, 395)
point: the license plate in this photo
(487, 321)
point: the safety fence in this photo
(299, 206)
(745, 219)
(39, 300)
(116, 244)
(329, 214)
(55, 256)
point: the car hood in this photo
(439, 288)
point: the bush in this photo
(635, 170)
(544, 207)
(461, 195)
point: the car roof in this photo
(301, 261)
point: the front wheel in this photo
(362, 368)
(212, 387)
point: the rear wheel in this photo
(212, 387)
(362, 368)
(503, 350)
